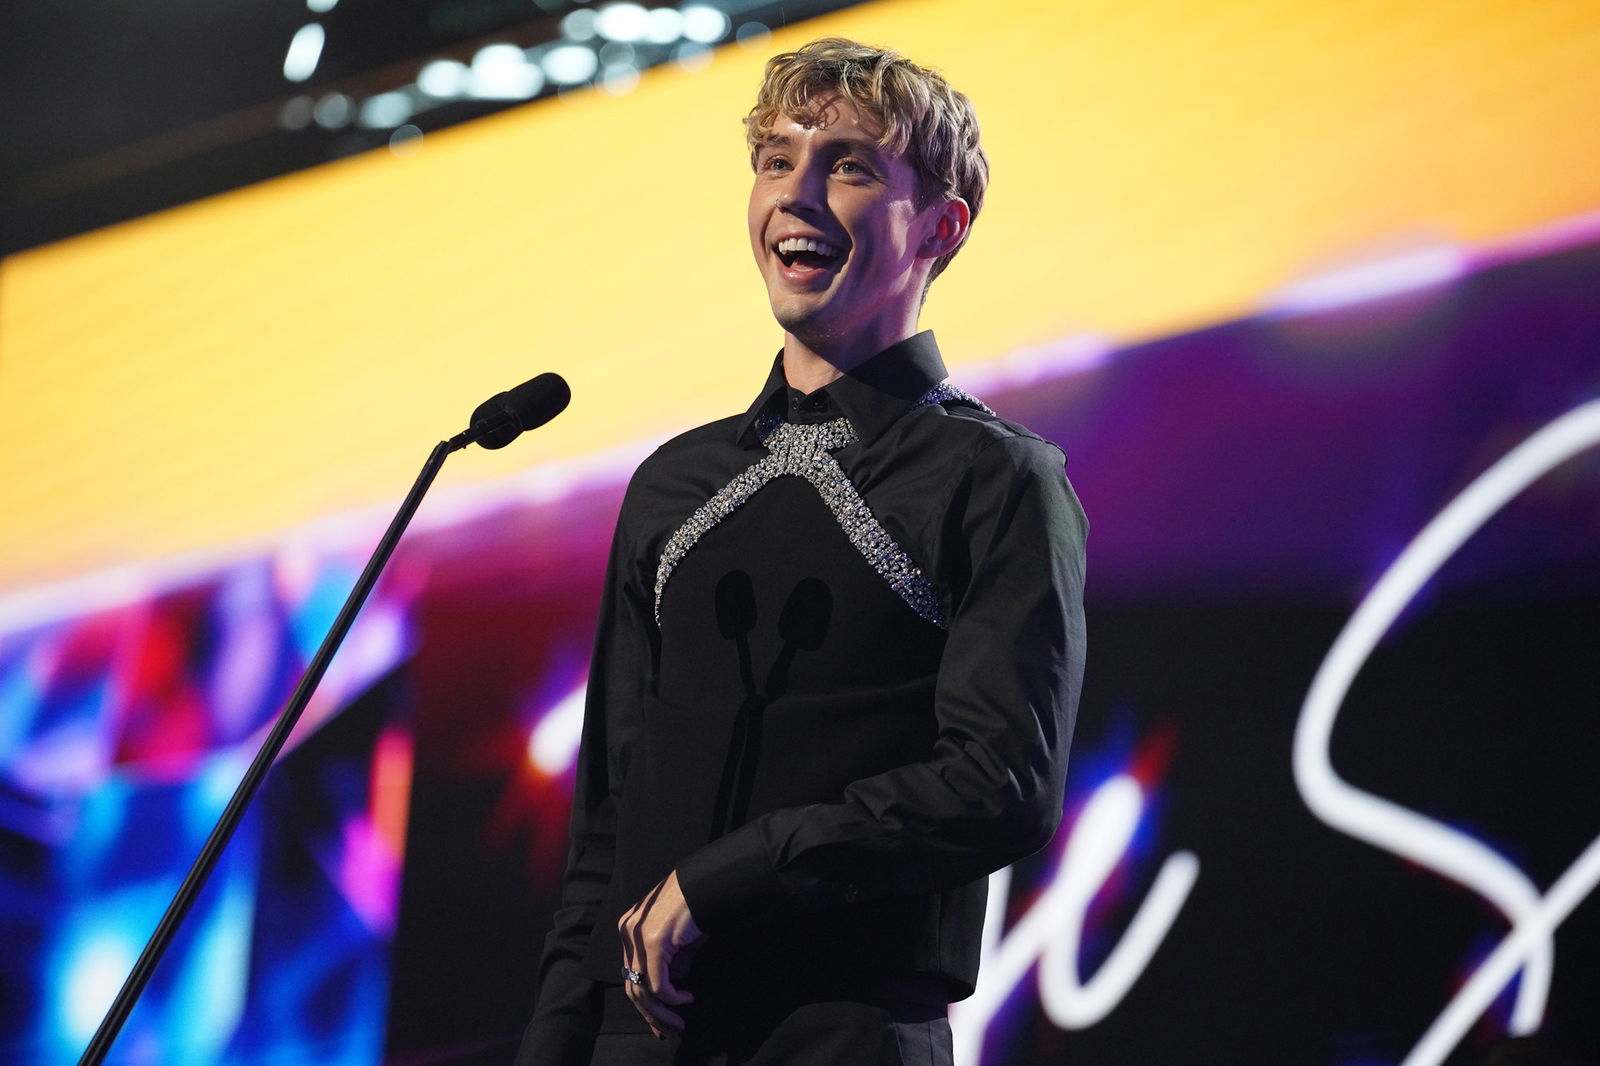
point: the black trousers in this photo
(768, 1030)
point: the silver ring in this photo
(632, 976)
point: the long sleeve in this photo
(567, 1004)
(1010, 544)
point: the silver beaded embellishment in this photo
(947, 393)
(804, 451)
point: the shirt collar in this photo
(874, 395)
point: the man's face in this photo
(860, 282)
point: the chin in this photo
(800, 321)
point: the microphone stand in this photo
(196, 878)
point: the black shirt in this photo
(834, 683)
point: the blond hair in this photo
(924, 121)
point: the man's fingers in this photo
(649, 1019)
(665, 1015)
(650, 933)
(660, 979)
(668, 993)
(656, 1014)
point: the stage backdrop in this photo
(1306, 294)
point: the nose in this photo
(804, 188)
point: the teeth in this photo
(804, 244)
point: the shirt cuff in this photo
(731, 883)
(728, 883)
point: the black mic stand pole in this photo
(196, 878)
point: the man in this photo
(841, 640)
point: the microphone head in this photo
(528, 406)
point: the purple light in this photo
(1369, 281)
(246, 665)
(1074, 354)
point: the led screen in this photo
(1320, 352)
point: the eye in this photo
(852, 167)
(774, 162)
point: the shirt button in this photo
(851, 893)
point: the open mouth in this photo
(806, 254)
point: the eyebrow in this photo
(845, 144)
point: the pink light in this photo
(1568, 233)
(553, 744)
(372, 845)
(368, 874)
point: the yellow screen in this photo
(196, 380)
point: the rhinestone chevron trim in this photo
(805, 451)
(947, 393)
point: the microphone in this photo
(505, 416)
(497, 422)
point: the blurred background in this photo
(1308, 293)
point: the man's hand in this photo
(658, 940)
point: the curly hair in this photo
(924, 121)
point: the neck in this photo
(809, 366)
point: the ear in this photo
(949, 228)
